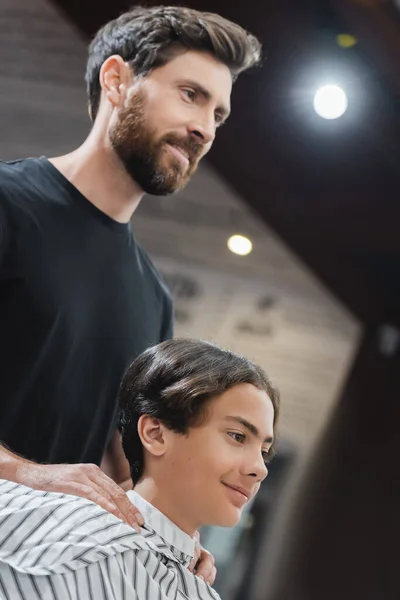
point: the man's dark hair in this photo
(149, 37)
(173, 381)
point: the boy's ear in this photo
(152, 435)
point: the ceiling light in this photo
(238, 244)
(345, 40)
(330, 102)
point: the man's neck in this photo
(96, 171)
(165, 503)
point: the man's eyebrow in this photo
(225, 112)
(250, 427)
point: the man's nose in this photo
(203, 130)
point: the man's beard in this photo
(143, 156)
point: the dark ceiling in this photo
(328, 188)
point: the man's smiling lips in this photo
(180, 153)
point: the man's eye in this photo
(191, 94)
(238, 437)
(267, 456)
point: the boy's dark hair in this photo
(173, 381)
(149, 37)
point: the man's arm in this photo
(9, 463)
(85, 480)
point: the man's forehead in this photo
(210, 73)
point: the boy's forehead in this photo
(241, 391)
(245, 400)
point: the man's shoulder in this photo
(9, 168)
(12, 171)
(17, 180)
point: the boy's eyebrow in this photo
(225, 111)
(250, 427)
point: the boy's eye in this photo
(238, 437)
(266, 457)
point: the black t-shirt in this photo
(79, 300)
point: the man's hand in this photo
(203, 563)
(85, 480)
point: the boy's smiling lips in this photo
(245, 493)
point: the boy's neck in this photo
(167, 504)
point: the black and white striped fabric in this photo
(60, 547)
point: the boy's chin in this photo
(229, 518)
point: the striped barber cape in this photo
(61, 547)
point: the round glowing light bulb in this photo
(238, 244)
(330, 102)
(346, 40)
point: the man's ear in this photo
(152, 435)
(115, 78)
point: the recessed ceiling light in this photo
(346, 40)
(238, 244)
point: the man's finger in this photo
(197, 552)
(93, 493)
(205, 567)
(130, 513)
(211, 578)
(103, 498)
(208, 577)
(96, 494)
(192, 564)
(196, 557)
